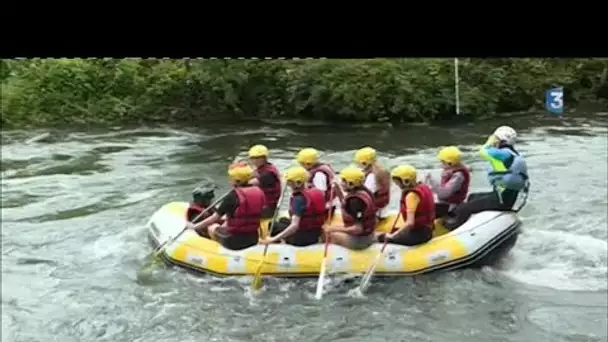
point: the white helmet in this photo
(506, 134)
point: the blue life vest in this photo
(516, 175)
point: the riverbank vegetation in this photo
(107, 91)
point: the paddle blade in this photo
(257, 278)
(321, 281)
(152, 261)
(366, 280)
(154, 258)
(368, 275)
(156, 255)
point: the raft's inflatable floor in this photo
(481, 240)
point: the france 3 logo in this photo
(554, 100)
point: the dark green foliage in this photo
(106, 91)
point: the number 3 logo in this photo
(558, 99)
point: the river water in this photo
(74, 206)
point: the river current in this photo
(74, 206)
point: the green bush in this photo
(107, 91)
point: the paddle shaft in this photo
(319, 291)
(375, 264)
(368, 275)
(258, 274)
(383, 247)
(328, 221)
(276, 214)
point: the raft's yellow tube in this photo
(207, 255)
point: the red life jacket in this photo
(246, 217)
(460, 195)
(382, 194)
(194, 210)
(369, 216)
(315, 213)
(425, 212)
(329, 173)
(272, 193)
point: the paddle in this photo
(321, 281)
(160, 249)
(525, 197)
(370, 272)
(257, 278)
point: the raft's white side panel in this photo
(167, 225)
(483, 227)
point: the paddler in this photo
(358, 213)
(202, 197)
(453, 187)
(306, 209)
(321, 174)
(508, 176)
(417, 207)
(242, 208)
(377, 179)
(267, 177)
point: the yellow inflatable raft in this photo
(481, 240)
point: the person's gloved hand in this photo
(447, 173)
(492, 140)
(266, 241)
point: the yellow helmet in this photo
(365, 156)
(353, 175)
(296, 174)
(240, 172)
(450, 155)
(406, 173)
(308, 156)
(258, 151)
